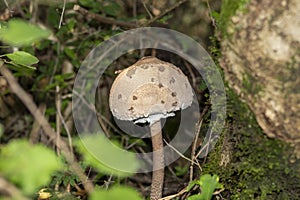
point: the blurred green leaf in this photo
(71, 24)
(164, 19)
(112, 8)
(181, 170)
(106, 156)
(22, 58)
(202, 86)
(41, 45)
(116, 193)
(53, 17)
(28, 166)
(1, 130)
(22, 33)
(70, 52)
(94, 5)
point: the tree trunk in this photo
(261, 59)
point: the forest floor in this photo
(249, 165)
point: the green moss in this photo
(228, 9)
(250, 84)
(293, 70)
(259, 167)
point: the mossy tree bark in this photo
(261, 59)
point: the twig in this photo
(218, 191)
(62, 14)
(58, 109)
(8, 8)
(210, 15)
(10, 189)
(181, 155)
(108, 123)
(134, 143)
(164, 13)
(134, 8)
(6, 4)
(205, 147)
(36, 128)
(99, 116)
(101, 122)
(189, 68)
(31, 106)
(174, 195)
(58, 124)
(58, 49)
(198, 127)
(147, 10)
(102, 19)
(194, 149)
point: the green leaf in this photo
(22, 58)
(106, 156)
(192, 184)
(22, 33)
(20, 69)
(21, 62)
(28, 166)
(195, 197)
(116, 193)
(208, 185)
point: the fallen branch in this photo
(111, 21)
(149, 22)
(102, 19)
(39, 117)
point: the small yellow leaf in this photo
(44, 194)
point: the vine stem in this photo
(158, 161)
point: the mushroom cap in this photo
(149, 90)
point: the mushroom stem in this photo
(158, 161)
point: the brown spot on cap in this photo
(161, 68)
(144, 66)
(134, 98)
(131, 108)
(152, 79)
(160, 85)
(119, 96)
(131, 72)
(162, 101)
(172, 80)
(175, 103)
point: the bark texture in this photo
(261, 60)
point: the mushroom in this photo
(147, 92)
